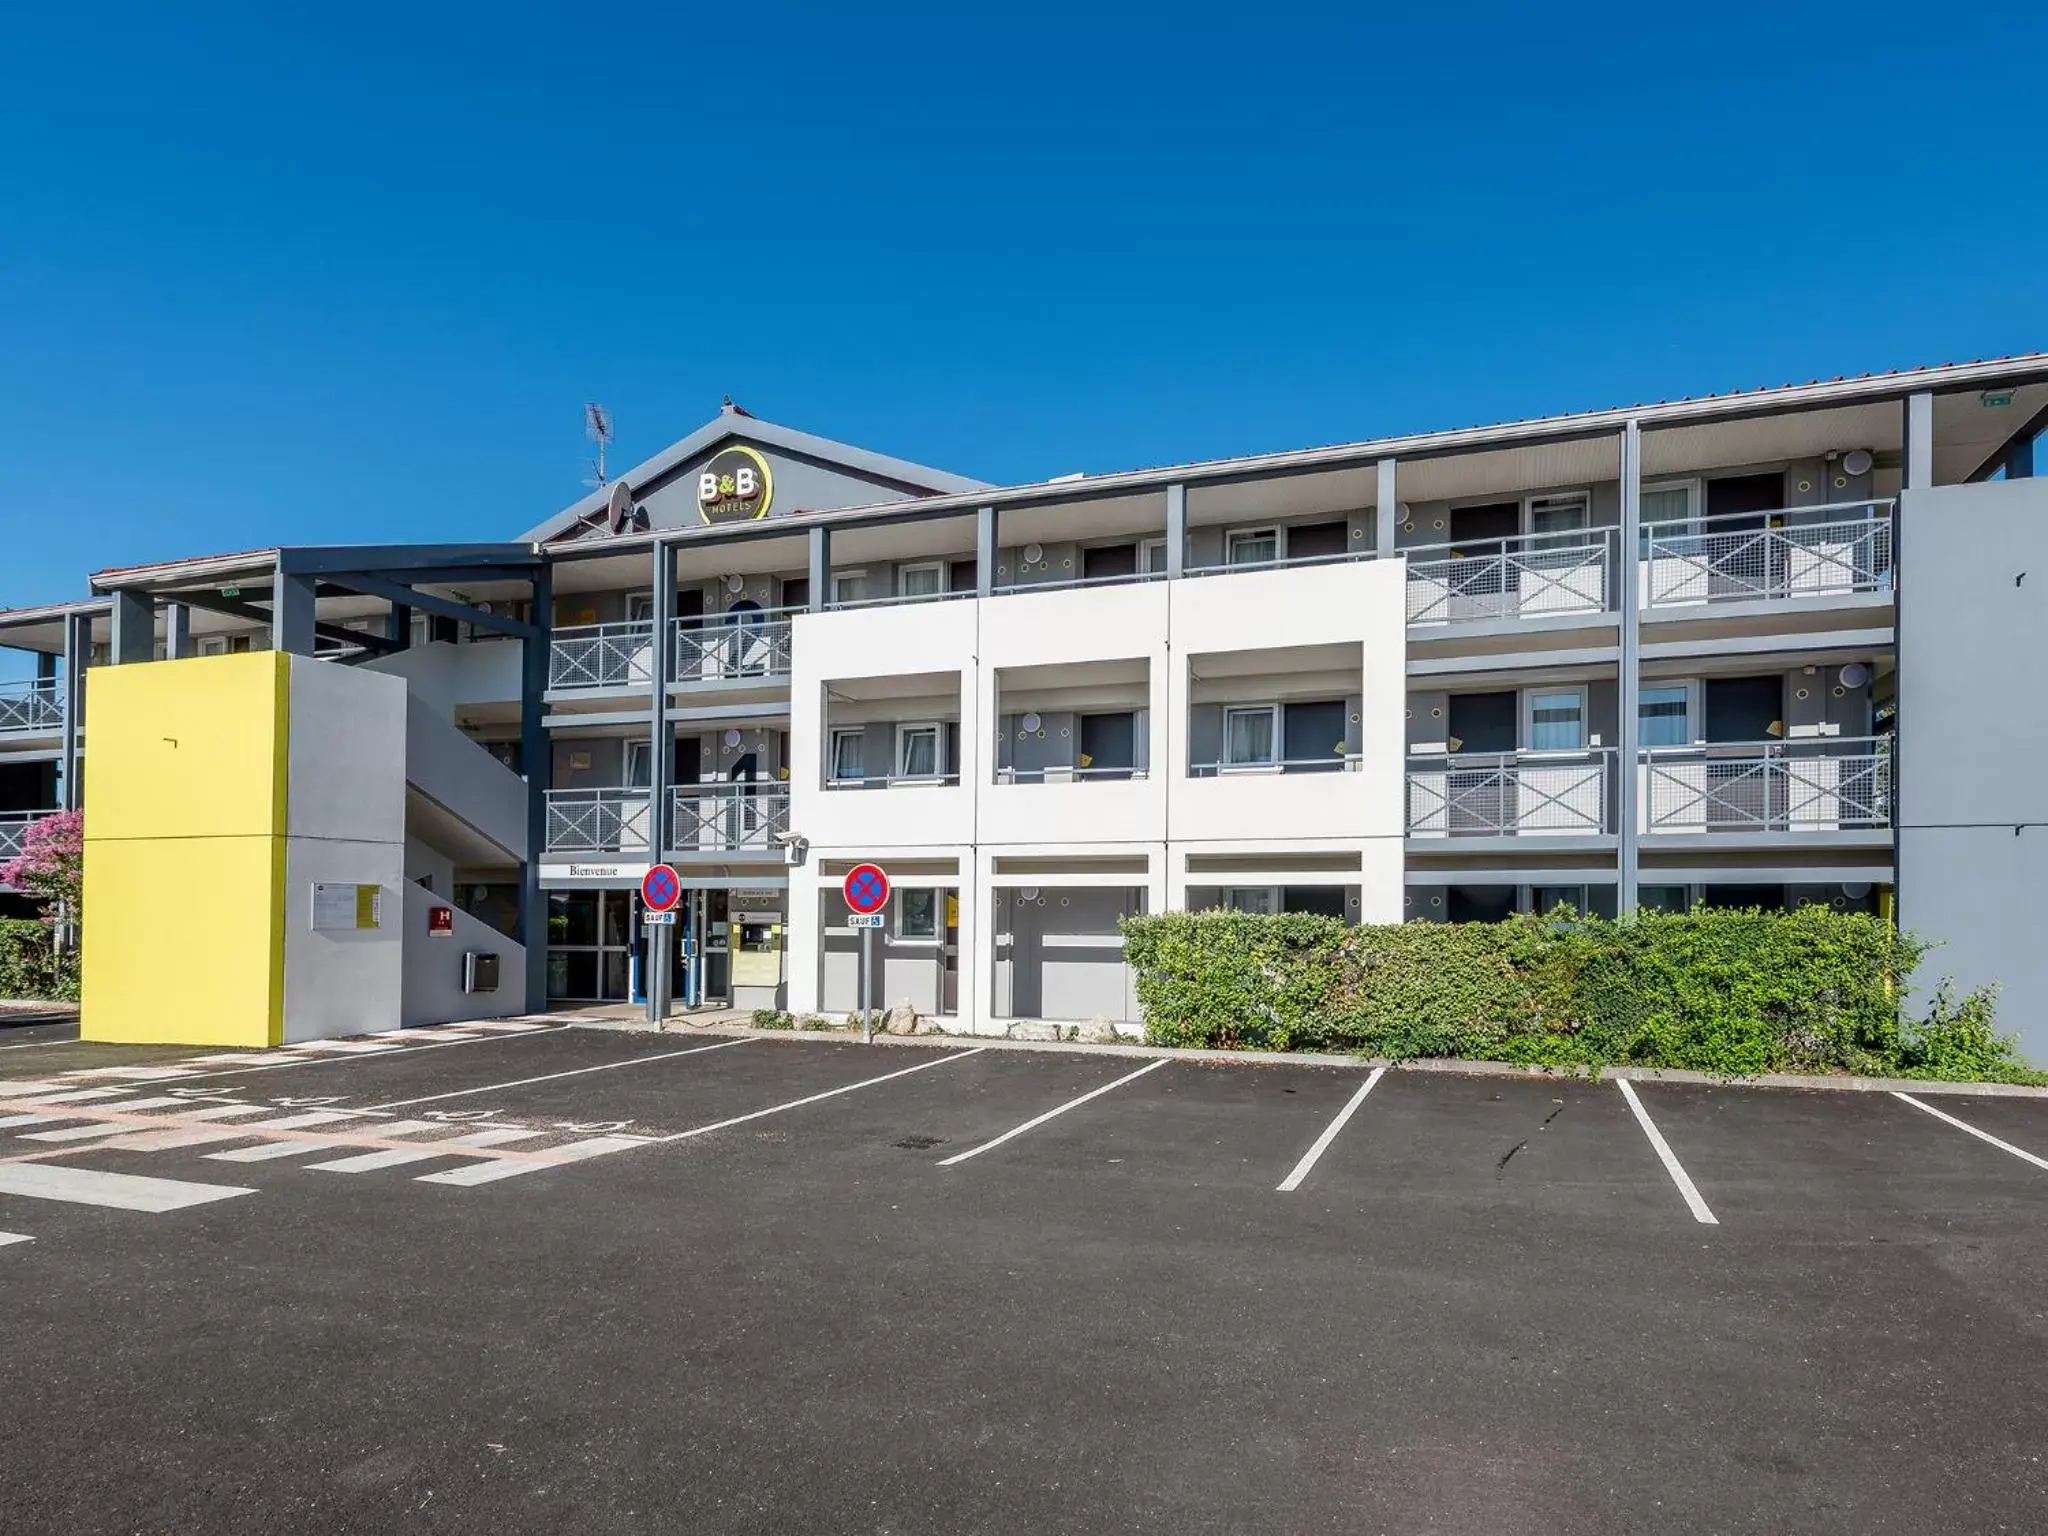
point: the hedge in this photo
(1731, 992)
(30, 966)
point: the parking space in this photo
(790, 1283)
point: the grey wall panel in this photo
(1977, 890)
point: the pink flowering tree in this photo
(51, 864)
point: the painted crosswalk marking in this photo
(77, 1096)
(95, 1124)
(163, 1141)
(134, 1074)
(395, 1157)
(491, 1170)
(122, 1191)
(21, 1088)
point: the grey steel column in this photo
(821, 569)
(537, 762)
(984, 551)
(177, 631)
(398, 625)
(77, 654)
(1176, 530)
(1919, 474)
(1387, 508)
(134, 628)
(291, 615)
(1625, 563)
(662, 753)
(2019, 464)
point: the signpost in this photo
(660, 889)
(867, 893)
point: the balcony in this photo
(726, 818)
(598, 821)
(14, 826)
(1509, 794)
(31, 709)
(1809, 552)
(1831, 784)
(1068, 775)
(1532, 576)
(1335, 762)
(590, 657)
(734, 648)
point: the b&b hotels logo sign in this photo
(735, 487)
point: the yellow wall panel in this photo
(181, 943)
(191, 748)
(185, 779)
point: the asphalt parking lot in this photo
(549, 1279)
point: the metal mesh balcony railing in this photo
(1827, 784)
(727, 818)
(14, 826)
(1489, 579)
(731, 647)
(1508, 794)
(1803, 552)
(599, 821)
(27, 708)
(603, 656)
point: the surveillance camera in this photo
(794, 846)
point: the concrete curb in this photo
(1451, 1066)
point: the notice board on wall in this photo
(346, 908)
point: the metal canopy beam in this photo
(400, 595)
(235, 608)
(517, 561)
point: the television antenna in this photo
(597, 428)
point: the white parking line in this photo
(122, 1191)
(830, 1093)
(1678, 1174)
(1052, 1114)
(603, 1066)
(14, 1237)
(1308, 1160)
(1964, 1125)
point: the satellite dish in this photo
(1857, 461)
(618, 506)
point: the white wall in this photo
(345, 824)
(448, 676)
(433, 966)
(1161, 819)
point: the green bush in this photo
(30, 965)
(1737, 993)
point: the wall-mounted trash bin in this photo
(479, 972)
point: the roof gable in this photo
(833, 475)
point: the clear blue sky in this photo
(281, 277)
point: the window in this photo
(917, 915)
(1557, 720)
(1251, 735)
(1671, 502)
(640, 608)
(1661, 898)
(1545, 899)
(1152, 557)
(1251, 546)
(849, 752)
(848, 587)
(917, 751)
(1557, 514)
(639, 764)
(921, 580)
(1661, 716)
(1258, 900)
